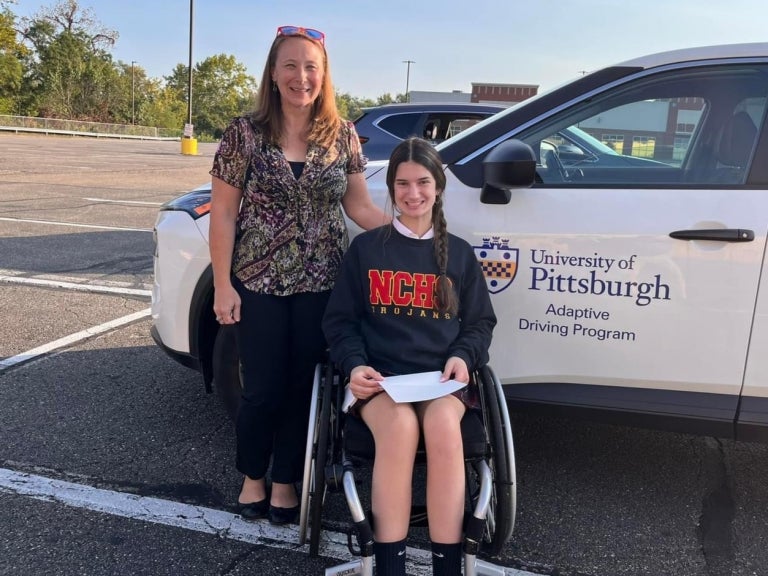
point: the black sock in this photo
(390, 558)
(446, 559)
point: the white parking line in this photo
(71, 339)
(74, 224)
(138, 202)
(189, 517)
(58, 280)
(91, 288)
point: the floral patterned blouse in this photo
(291, 234)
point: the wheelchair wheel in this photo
(315, 458)
(309, 451)
(321, 459)
(500, 521)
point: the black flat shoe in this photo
(254, 510)
(279, 515)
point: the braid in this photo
(422, 152)
(444, 296)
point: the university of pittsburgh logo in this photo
(498, 261)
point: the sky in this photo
(451, 43)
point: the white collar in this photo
(405, 231)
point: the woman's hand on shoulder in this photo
(455, 369)
(359, 206)
(364, 382)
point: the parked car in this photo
(633, 293)
(381, 128)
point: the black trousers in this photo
(280, 341)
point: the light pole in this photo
(408, 78)
(188, 140)
(189, 88)
(133, 92)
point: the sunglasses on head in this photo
(300, 31)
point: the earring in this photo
(274, 86)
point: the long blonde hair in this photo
(268, 116)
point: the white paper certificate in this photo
(419, 387)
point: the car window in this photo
(683, 128)
(401, 125)
(439, 126)
(459, 124)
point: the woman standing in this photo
(292, 163)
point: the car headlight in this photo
(196, 203)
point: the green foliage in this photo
(162, 107)
(69, 73)
(11, 63)
(58, 64)
(7, 31)
(351, 107)
(221, 90)
(76, 81)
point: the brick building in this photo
(509, 94)
(482, 93)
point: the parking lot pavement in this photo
(145, 444)
(112, 413)
(68, 312)
(92, 181)
(47, 538)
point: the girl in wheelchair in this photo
(412, 298)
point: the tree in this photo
(59, 63)
(70, 72)
(69, 16)
(11, 63)
(221, 90)
(351, 107)
(162, 107)
(78, 83)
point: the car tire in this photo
(226, 369)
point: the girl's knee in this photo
(442, 431)
(444, 443)
(443, 418)
(402, 428)
(386, 419)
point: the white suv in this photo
(628, 288)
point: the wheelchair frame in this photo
(491, 480)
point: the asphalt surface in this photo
(110, 415)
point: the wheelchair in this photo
(337, 442)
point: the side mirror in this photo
(511, 164)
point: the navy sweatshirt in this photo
(381, 311)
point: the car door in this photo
(629, 283)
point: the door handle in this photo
(718, 234)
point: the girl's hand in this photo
(364, 382)
(455, 369)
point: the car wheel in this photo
(226, 369)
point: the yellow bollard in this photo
(189, 146)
